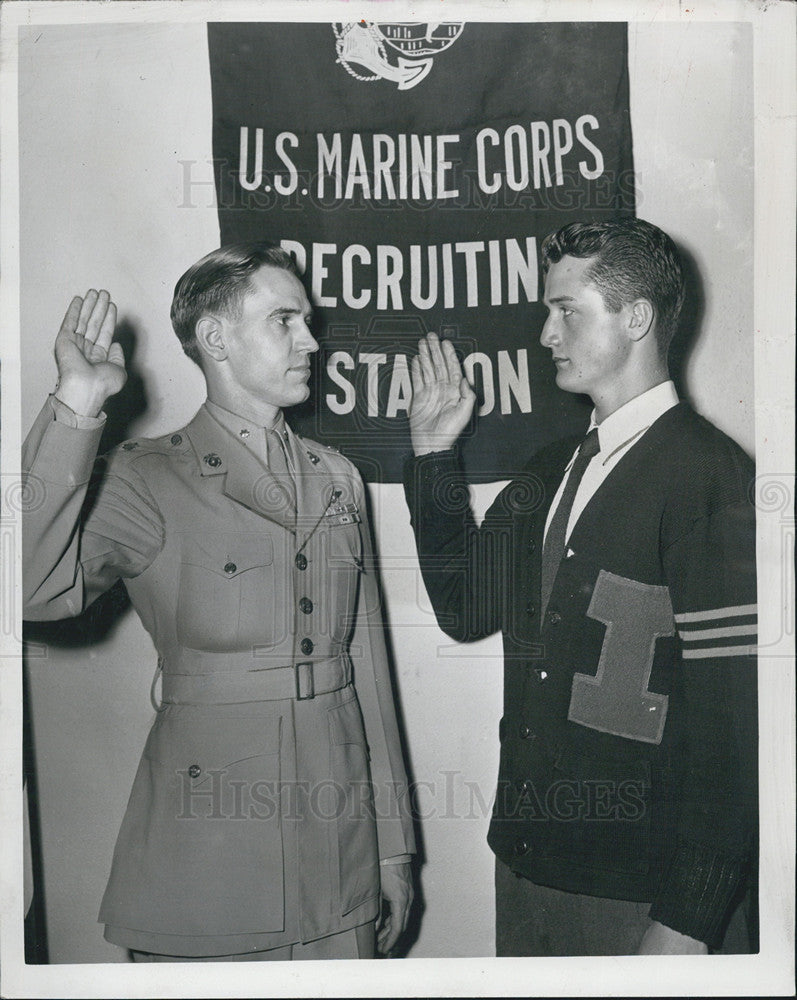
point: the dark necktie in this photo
(554, 547)
(280, 469)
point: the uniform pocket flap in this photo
(202, 740)
(346, 724)
(228, 555)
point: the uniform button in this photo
(524, 787)
(521, 847)
(230, 568)
(243, 432)
(305, 605)
(532, 545)
(530, 609)
(212, 460)
(301, 561)
(195, 770)
(541, 674)
(553, 617)
(306, 646)
(176, 439)
(525, 732)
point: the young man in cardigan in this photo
(621, 573)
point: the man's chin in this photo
(300, 396)
(565, 381)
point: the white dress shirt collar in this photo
(632, 419)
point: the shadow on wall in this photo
(94, 624)
(689, 325)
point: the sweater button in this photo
(305, 605)
(553, 618)
(520, 847)
(306, 646)
(530, 609)
(525, 732)
(195, 770)
(301, 561)
(541, 675)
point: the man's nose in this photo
(306, 341)
(548, 335)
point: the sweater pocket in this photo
(599, 813)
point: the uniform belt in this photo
(299, 681)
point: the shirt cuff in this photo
(398, 859)
(66, 415)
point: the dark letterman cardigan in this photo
(628, 764)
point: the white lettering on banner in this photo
(336, 361)
(257, 175)
(393, 168)
(510, 379)
(280, 186)
(503, 271)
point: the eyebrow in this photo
(561, 298)
(287, 311)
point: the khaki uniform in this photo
(250, 823)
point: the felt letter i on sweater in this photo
(554, 546)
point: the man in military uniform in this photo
(269, 814)
(621, 573)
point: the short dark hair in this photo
(633, 259)
(217, 283)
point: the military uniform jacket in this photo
(628, 740)
(251, 819)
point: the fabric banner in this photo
(413, 170)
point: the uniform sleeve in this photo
(711, 574)
(375, 694)
(465, 568)
(85, 525)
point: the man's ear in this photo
(210, 337)
(640, 318)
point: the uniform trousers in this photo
(536, 921)
(357, 942)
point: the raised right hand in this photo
(442, 399)
(90, 366)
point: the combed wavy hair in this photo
(632, 259)
(217, 284)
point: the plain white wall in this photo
(106, 114)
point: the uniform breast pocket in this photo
(227, 598)
(345, 566)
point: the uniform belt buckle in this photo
(305, 681)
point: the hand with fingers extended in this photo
(91, 367)
(442, 398)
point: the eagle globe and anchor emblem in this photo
(400, 52)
